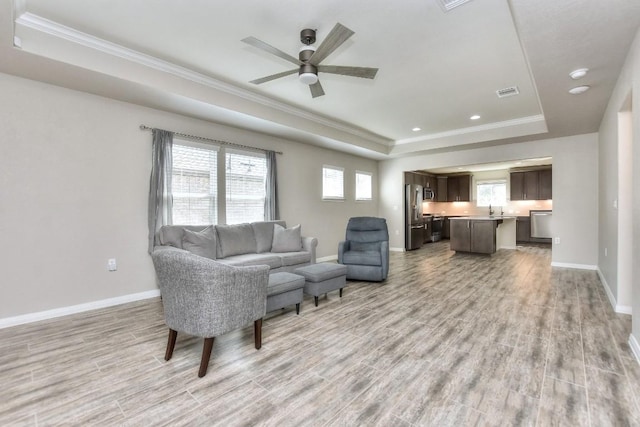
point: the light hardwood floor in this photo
(448, 339)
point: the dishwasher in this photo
(541, 224)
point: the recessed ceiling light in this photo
(416, 129)
(474, 117)
(579, 73)
(579, 89)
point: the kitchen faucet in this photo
(490, 211)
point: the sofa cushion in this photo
(235, 240)
(263, 232)
(362, 257)
(294, 258)
(244, 260)
(286, 239)
(202, 243)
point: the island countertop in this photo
(483, 218)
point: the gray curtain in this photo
(271, 211)
(160, 202)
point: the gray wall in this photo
(74, 178)
(575, 180)
(626, 292)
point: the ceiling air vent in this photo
(447, 5)
(507, 91)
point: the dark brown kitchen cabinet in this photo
(531, 185)
(430, 181)
(459, 188)
(441, 193)
(446, 227)
(411, 178)
(545, 185)
(523, 229)
(477, 236)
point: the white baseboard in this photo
(623, 309)
(635, 347)
(327, 258)
(396, 249)
(576, 266)
(65, 311)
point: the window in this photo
(332, 183)
(246, 174)
(194, 184)
(492, 193)
(196, 173)
(363, 186)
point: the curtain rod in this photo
(201, 138)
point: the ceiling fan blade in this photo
(272, 50)
(338, 35)
(273, 77)
(363, 72)
(316, 89)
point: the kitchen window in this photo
(363, 186)
(492, 193)
(332, 183)
(197, 197)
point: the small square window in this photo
(332, 183)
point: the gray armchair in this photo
(204, 298)
(365, 250)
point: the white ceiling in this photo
(436, 68)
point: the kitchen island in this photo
(483, 234)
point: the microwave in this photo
(429, 194)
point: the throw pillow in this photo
(286, 239)
(236, 239)
(202, 243)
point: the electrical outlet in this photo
(557, 241)
(111, 264)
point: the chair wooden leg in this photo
(340, 292)
(171, 343)
(298, 308)
(206, 355)
(257, 333)
(316, 300)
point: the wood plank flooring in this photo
(448, 339)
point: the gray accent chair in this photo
(205, 298)
(365, 250)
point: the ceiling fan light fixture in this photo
(308, 78)
(308, 74)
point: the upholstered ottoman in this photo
(322, 278)
(284, 289)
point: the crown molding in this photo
(38, 23)
(474, 129)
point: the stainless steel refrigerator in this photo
(414, 224)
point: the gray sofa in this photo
(239, 245)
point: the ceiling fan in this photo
(309, 58)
